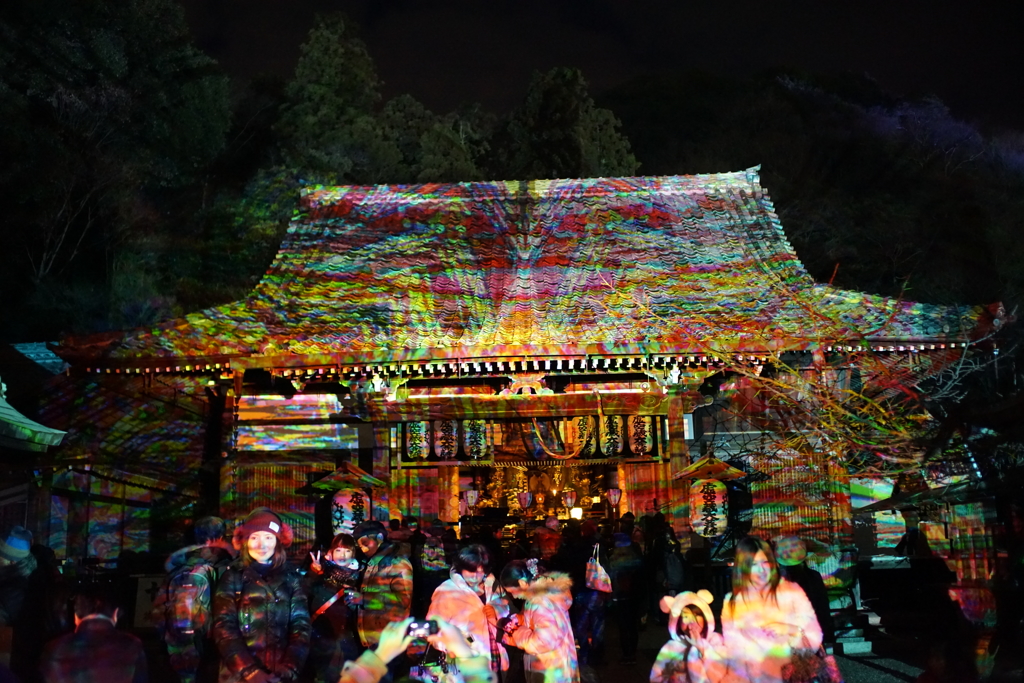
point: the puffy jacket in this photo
(756, 633)
(334, 639)
(14, 579)
(260, 621)
(546, 633)
(625, 568)
(189, 557)
(459, 605)
(386, 592)
(96, 652)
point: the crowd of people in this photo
(523, 611)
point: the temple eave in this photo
(644, 352)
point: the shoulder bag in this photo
(597, 576)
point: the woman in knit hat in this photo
(260, 615)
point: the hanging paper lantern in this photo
(417, 440)
(472, 496)
(614, 496)
(641, 434)
(446, 444)
(475, 440)
(584, 432)
(569, 497)
(349, 507)
(611, 436)
(709, 507)
(525, 498)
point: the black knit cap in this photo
(369, 528)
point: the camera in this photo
(422, 629)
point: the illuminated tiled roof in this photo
(665, 263)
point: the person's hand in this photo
(315, 566)
(491, 615)
(692, 631)
(353, 598)
(512, 623)
(450, 640)
(393, 640)
(777, 631)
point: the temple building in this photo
(491, 350)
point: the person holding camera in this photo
(260, 615)
(386, 592)
(395, 638)
(543, 631)
(333, 577)
(470, 601)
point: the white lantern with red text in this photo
(349, 507)
(709, 507)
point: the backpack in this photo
(182, 609)
(432, 557)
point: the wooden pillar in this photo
(623, 484)
(679, 404)
(448, 493)
(215, 439)
(382, 469)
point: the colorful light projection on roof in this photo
(605, 261)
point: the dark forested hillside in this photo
(139, 183)
(875, 193)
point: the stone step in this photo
(852, 646)
(851, 620)
(849, 633)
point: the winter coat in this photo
(14, 579)
(625, 568)
(186, 650)
(814, 587)
(189, 557)
(386, 593)
(95, 653)
(457, 603)
(546, 632)
(703, 662)
(34, 599)
(260, 621)
(760, 656)
(334, 640)
(547, 542)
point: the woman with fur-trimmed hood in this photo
(543, 631)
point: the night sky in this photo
(445, 52)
